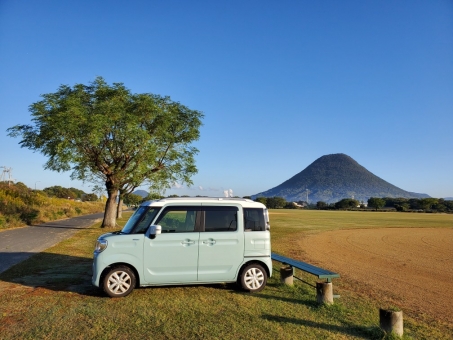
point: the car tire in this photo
(119, 281)
(253, 278)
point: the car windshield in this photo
(140, 220)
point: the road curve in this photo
(17, 245)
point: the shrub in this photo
(20, 205)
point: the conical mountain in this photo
(333, 177)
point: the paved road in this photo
(17, 245)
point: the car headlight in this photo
(100, 245)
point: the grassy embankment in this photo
(20, 205)
(50, 296)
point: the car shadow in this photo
(67, 273)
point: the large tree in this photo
(376, 202)
(347, 203)
(105, 132)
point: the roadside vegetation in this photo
(50, 295)
(20, 205)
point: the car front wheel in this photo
(119, 281)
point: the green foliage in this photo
(105, 132)
(60, 192)
(416, 204)
(153, 196)
(132, 199)
(375, 202)
(262, 200)
(89, 198)
(275, 202)
(401, 207)
(392, 202)
(443, 206)
(321, 205)
(347, 203)
(290, 205)
(20, 205)
(428, 203)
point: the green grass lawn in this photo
(50, 296)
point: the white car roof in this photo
(247, 203)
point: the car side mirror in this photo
(154, 230)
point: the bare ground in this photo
(411, 268)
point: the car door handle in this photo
(209, 242)
(187, 242)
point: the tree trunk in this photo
(119, 209)
(110, 209)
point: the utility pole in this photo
(5, 178)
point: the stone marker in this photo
(391, 321)
(287, 275)
(324, 292)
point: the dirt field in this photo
(411, 268)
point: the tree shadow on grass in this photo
(348, 329)
(309, 302)
(55, 272)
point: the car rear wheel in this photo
(253, 278)
(119, 281)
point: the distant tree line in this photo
(426, 204)
(69, 193)
(377, 203)
(399, 204)
(278, 202)
(270, 202)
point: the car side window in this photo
(254, 219)
(178, 219)
(220, 219)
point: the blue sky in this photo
(281, 83)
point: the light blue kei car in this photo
(176, 241)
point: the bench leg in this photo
(287, 275)
(324, 293)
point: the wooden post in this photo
(324, 293)
(286, 275)
(391, 321)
